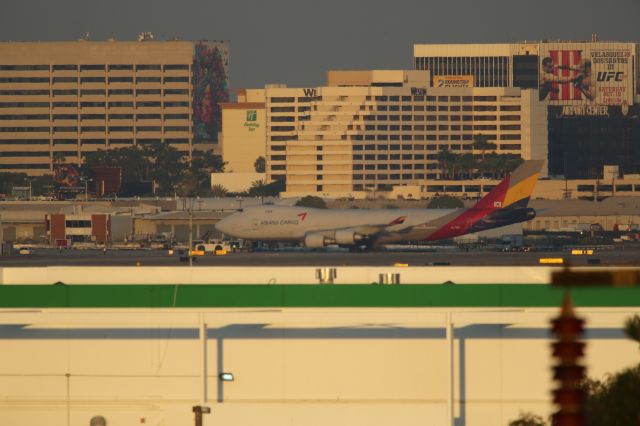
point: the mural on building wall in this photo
(210, 88)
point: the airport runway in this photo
(49, 257)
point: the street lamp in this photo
(86, 187)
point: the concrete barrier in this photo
(273, 275)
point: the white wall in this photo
(273, 275)
(292, 366)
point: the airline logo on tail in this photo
(302, 216)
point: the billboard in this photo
(452, 81)
(587, 73)
(210, 88)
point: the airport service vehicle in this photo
(504, 205)
(201, 247)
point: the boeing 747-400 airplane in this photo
(504, 205)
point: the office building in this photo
(591, 90)
(371, 130)
(59, 100)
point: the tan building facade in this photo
(59, 100)
(369, 130)
(242, 140)
(548, 189)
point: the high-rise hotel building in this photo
(370, 130)
(59, 100)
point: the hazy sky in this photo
(297, 41)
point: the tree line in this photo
(488, 164)
(172, 170)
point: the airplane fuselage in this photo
(278, 223)
(319, 227)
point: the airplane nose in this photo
(224, 226)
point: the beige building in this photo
(548, 189)
(62, 99)
(369, 130)
(242, 140)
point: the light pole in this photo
(86, 188)
(30, 193)
(190, 251)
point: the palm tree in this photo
(467, 164)
(446, 159)
(59, 159)
(218, 190)
(259, 165)
(632, 328)
(481, 143)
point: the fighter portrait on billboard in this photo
(566, 76)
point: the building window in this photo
(92, 104)
(86, 116)
(148, 104)
(175, 104)
(281, 109)
(140, 92)
(92, 80)
(176, 79)
(65, 67)
(64, 80)
(147, 79)
(24, 92)
(282, 128)
(90, 92)
(176, 91)
(176, 116)
(120, 104)
(92, 67)
(485, 98)
(282, 100)
(509, 127)
(120, 116)
(120, 67)
(176, 67)
(152, 67)
(506, 147)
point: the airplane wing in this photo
(357, 234)
(369, 230)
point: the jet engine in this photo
(347, 237)
(316, 240)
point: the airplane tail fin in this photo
(515, 190)
(506, 204)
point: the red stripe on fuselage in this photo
(461, 223)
